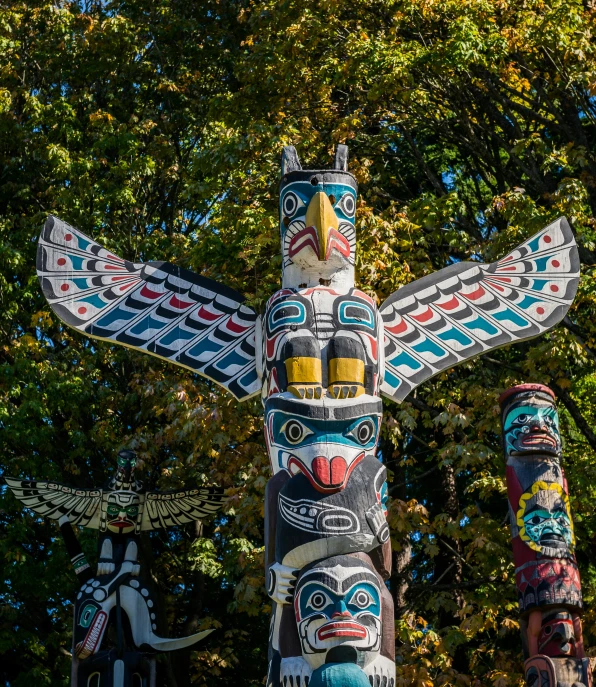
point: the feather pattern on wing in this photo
(470, 308)
(167, 508)
(158, 308)
(52, 500)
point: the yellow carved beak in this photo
(321, 215)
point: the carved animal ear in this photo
(341, 158)
(290, 161)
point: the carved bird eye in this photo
(290, 205)
(347, 205)
(318, 600)
(295, 431)
(363, 432)
(362, 599)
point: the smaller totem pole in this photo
(546, 573)
(115, 603)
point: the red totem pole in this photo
(546, 573)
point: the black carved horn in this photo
(341, 158)
(290, 161)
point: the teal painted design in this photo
(406, 359)
(482, 324)
(285, 314)
(115, 315)
(453, 334)
(428, 346)
(352, 312)
(508, 314)
(339, 675)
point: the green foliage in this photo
(156, 126)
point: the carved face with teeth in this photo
(317, 211)
(338, 602)
(121, 511)
(544, 520)
(530, 422)
(322, 438)
(91, 619)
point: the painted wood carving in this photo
(116, 595)
(546, 574)
(321, 354)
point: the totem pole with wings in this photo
(117, 589)
(321, 355)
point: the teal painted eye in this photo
(347, 204)
(362, 599)
(318, 600)
(522, 419)
(113, 510)
(87, 615)
(363, 432)
(132, 511)
(291, 204)
(295, 431)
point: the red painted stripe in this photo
(398, 328)
(425, 316)
(451, 304)
(235, 327)
(204, 314)
(175, 302)
(475, 295)
(147, 293)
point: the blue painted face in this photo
(326, 448)
(338, 602)
(317, 212)
(532, 428)
(318, 599)
(549, 528)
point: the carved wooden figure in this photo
(547, 578)
(321, 355)
(116, 594)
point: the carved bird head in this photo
(317, 209)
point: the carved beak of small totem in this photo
(321, 216)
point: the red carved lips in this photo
(343, 628)
(328, 475)
(94, 636)
(537, 438)
(308, 237)
(121, 524)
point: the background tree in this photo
(156, 126)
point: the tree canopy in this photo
(156, 126)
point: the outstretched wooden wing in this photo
(54, 500)
(167, 508)
(155, 307)
(469, 308)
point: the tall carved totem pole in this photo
(116, 599)
(321, 355)
(546, 574)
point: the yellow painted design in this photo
(321, 215)
(302, 370)
(523, 503)
(346, 371)
(345, 390)
(306, 390)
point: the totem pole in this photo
(546, 574)
(116, 595)
(321, 355)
